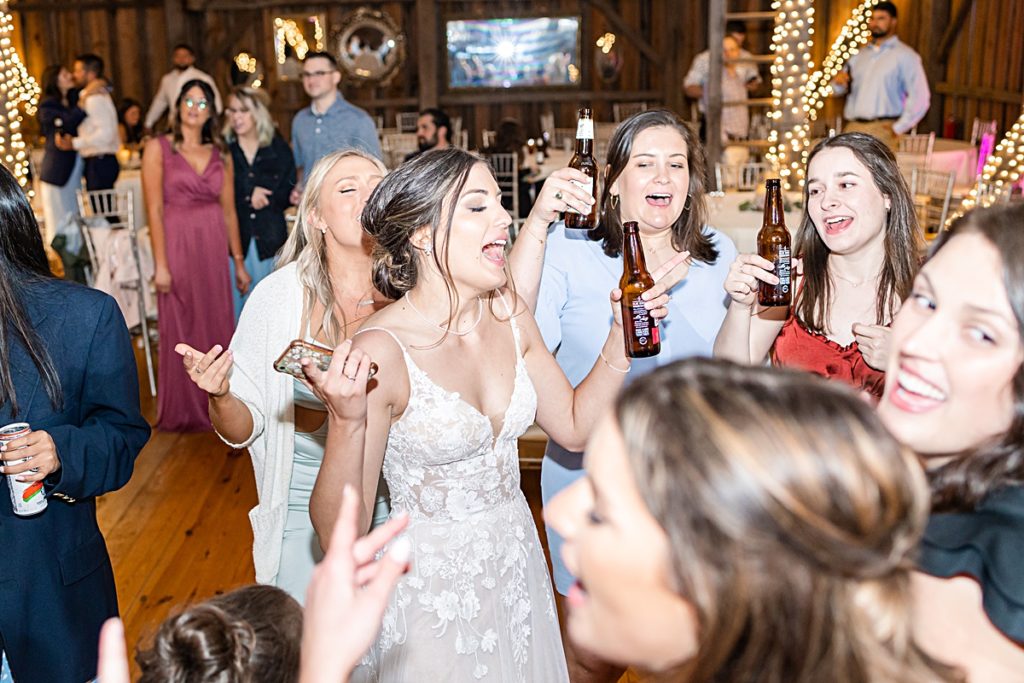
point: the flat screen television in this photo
(513, 52)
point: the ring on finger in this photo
(558, 195)
(198, 370)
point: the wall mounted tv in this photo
(513, 52)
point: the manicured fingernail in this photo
(401, 550)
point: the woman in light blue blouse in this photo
(654, 175)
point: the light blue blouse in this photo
(574, 313)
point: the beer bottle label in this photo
(645, 329)
(587, 187)
(585, 129)
(782, 268)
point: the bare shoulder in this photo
(153, 149)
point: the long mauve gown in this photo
(198, 309)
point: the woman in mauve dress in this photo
(190, 204)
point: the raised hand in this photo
(208, 371)
(559, 193)
(348, 593)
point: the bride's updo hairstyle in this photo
(792, 518)
(418, 193)
(421, 192)
(250, 635)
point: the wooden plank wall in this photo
(984, 74)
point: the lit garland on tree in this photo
(1001, 171)
(854, 35)
(791, 43)
(16, 88)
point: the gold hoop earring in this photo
(613, 201)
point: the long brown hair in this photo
(688, 230)
(792, 518)
(962, 483)
(903, 244)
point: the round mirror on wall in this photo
(370, 47)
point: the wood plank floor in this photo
(178, 532)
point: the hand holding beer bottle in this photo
(772, 268)
(583, 160)
(774, 246)
(640, 328)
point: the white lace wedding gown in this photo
(477, 603)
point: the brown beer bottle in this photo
(643, 338)
(773, 244)
(583, 160)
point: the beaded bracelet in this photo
(624, 372)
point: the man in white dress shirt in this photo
(97, 140)
(184, 60)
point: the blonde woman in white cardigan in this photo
(321, 292)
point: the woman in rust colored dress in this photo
(860, 248)
(190, 203)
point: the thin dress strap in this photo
(385, 331)
(512, 322)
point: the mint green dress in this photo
(300, 549)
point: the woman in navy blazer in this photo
(60, 172)
(68, 369)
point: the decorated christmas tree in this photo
(17, 90)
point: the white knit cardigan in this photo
(270, 320)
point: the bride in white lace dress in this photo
(459, 358)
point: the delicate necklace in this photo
(851, 282)
(446, 328)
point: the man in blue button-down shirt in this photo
(888, 89)
(329, 123)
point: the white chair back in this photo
(396, 146)
(406, 121)
(547, 124)
(506, 173)
(744, 177)
(488, 138)
(982, 127)
(915, 149)
(623, 110)
(112, 210)
(932, 192)
(564, 138)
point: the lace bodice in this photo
(443, 460)
(476, 604)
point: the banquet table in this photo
(554, 160)
(741, 225)
(958, 156)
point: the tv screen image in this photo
(513, 53)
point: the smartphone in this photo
(290, 362)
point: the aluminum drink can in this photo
(27, 497)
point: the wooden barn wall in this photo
(981, 74)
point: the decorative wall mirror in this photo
(294, 36)
(370, 47)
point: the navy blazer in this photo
(58, 163)
(56, 582)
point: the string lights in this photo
(1001, 171)
(287, 32)
(851, 38)
(791, 43)
(16, 88)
